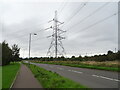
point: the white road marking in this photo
(116, 80)
(95, 75)
(60, 68)
(75, 71)
(106, 78)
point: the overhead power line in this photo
(27, 28)
(38, 31)
(77, 11)
(98, 22)
(64, 5)
(91, 14)
(40, 24)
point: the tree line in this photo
(11, 54)
(8, 54)
(110, 56)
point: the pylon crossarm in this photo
(56, 48)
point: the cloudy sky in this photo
(92, 26)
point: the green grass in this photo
(8, 74)
(94, 67)
(85, 66)
(50, 79)
(0, 77)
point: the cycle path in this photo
(26, 79)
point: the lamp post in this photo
(30, 43)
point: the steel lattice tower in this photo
(56, 47)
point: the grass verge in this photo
(0, 77)
(81, 65)
(50, 79)
(9, 73)
(94, 67)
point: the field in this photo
(8, 74)
(107, 65)
(0, 77)
(50, 79)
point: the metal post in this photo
(56, 42)
(29, 45)
(55, 34)
(115, 50)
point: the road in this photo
(88, 77)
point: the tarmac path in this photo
(26, 79)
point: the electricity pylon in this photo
(56, 47)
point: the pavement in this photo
(91, 78)
(26, 79)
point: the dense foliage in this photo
(15, 53)
(110, 56)
(8, 54)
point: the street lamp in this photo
(30, 42)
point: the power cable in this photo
(106, 18)
(27, 28)
(98, 9)
(77, 11)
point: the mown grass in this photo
(108, 65)
(50, 79)
(0, 77)
(8, 74)
(94, 67)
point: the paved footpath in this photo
(26, 79)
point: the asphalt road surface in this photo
(88, 77)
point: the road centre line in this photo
(92, 75)
(106, 78)
(75, 71)
(60, 68)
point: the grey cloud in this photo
(31, 17)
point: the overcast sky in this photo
(90, 30)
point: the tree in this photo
(15, 53)
(118, 55)
(6, 53)
(110, 52)
(73, 57)
(111, 56)
(80, 58)
(62, 58)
